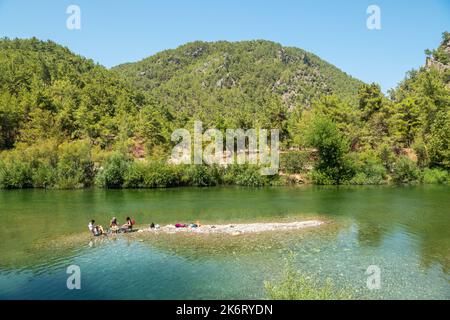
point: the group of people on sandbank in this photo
(233, 229)
(98, 230)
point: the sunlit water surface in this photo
(405, 231)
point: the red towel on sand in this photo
(180, 225)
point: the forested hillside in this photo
(67, 122)
(48, 92)
(238, 84)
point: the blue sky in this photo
(114, 32)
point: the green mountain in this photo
(237, 80)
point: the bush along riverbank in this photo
(79, 165)
(76, 165)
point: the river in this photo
(405, 231)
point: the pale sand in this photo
(236, 229)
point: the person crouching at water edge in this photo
(113, 225)
(128, 226)
(95, 229)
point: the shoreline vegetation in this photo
(68, 123)
(74, 166)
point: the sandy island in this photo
(236, 229)
(207, 237)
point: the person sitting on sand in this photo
(113, 226)
(154, 226)
(95, 229)
(128, 226)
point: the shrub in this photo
(405, 171)
(334, 175)
(15, 174)
(47, 165)
(75, 166)
(112, 174)
(435, 176)
(368, 168)
(42, 153)
(158, 174)
(118, 172)
(386, 156)
(333, 166)
(245, 175)
(279, 181)
(321, 177)
(360, 178)
(202, 175)
(44, 176)
(294, 162)
(154, 174)
(134, 176)
(439, 140)
(297, 286)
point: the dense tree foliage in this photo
(67, 122)
(332, 166)
(233, 74)
(48, 92)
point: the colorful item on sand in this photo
(180, 225)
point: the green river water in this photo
(405, 231)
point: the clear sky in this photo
(114, 32)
